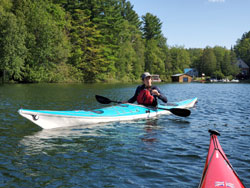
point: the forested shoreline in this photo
(97, 41)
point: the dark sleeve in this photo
(162, 96)
(134, 98)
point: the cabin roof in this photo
(242, 64)
(180, 74)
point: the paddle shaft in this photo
(176, 111)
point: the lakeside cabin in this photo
(181, 78)
(191, 72)
(156, 78)
(244, 68)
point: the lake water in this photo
(167, 151)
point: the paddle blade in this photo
(180, 112)
(102, 100)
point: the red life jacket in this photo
(145, 97)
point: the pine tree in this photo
(129, 14)
(151, 27)
(155, 50)
(86, 52)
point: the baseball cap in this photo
(145, 74)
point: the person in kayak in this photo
(146, 94)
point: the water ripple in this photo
(167, 151)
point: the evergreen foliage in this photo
(242, 48)
(97, 40)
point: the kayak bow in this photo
(218, 172)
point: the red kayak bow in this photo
(218, 172)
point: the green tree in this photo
(242, 48)
(168, 65)
(180, 59)
(233, 56)
(233, 59)
(195, 55)
(130, 56)
(226, 65)
(46, 40)
(219, 53)
(155, 49)
(86, 52)
(151, 27)
(129, 14)
(208, 65)
(154, 58)
(12, 42)
(139, 63)
(5, 6)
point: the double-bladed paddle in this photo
(176, 111)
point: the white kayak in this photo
(53, 119)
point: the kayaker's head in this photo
(146, 78)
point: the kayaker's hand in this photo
(156, 93)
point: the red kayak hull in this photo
(218, 172)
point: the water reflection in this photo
(52, 138)
(150, 129)
(179, 121)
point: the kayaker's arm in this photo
(163, 98)
(134, 98)
(160, 95)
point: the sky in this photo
(199, 23)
